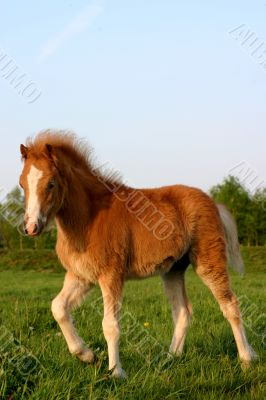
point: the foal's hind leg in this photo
(73, 292)
(174, 284)
(212, 270)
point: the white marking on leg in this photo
(111, 330)
(71, 295)
(232, 314)
(33, 206)
(174, 289)
(111, 333)
(181, 326)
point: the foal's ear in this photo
(51, 153)
(24, 151)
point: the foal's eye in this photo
(50, 185)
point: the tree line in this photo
(249, 210)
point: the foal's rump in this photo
(232, 247)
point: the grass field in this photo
(208, 369)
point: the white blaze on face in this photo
(33, 206)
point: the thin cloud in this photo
(78, 24)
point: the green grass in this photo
(30, 260)
(208, 369)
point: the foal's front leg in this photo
(111, 287)
(73, 292)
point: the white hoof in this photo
(119, 373)
(86, 355)
(254, 355)
(247, 360)
(175, 352)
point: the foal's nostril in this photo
(25, 227)
(31, 229)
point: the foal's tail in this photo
(232, 245)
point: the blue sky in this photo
(160, 89)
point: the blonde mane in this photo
(78, 152)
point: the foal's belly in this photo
(152, 269)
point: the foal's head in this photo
(43, 190)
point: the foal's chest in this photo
(79, 263)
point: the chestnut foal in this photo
(109, 232)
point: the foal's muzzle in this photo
(33, 228)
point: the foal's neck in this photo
(84, 196)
